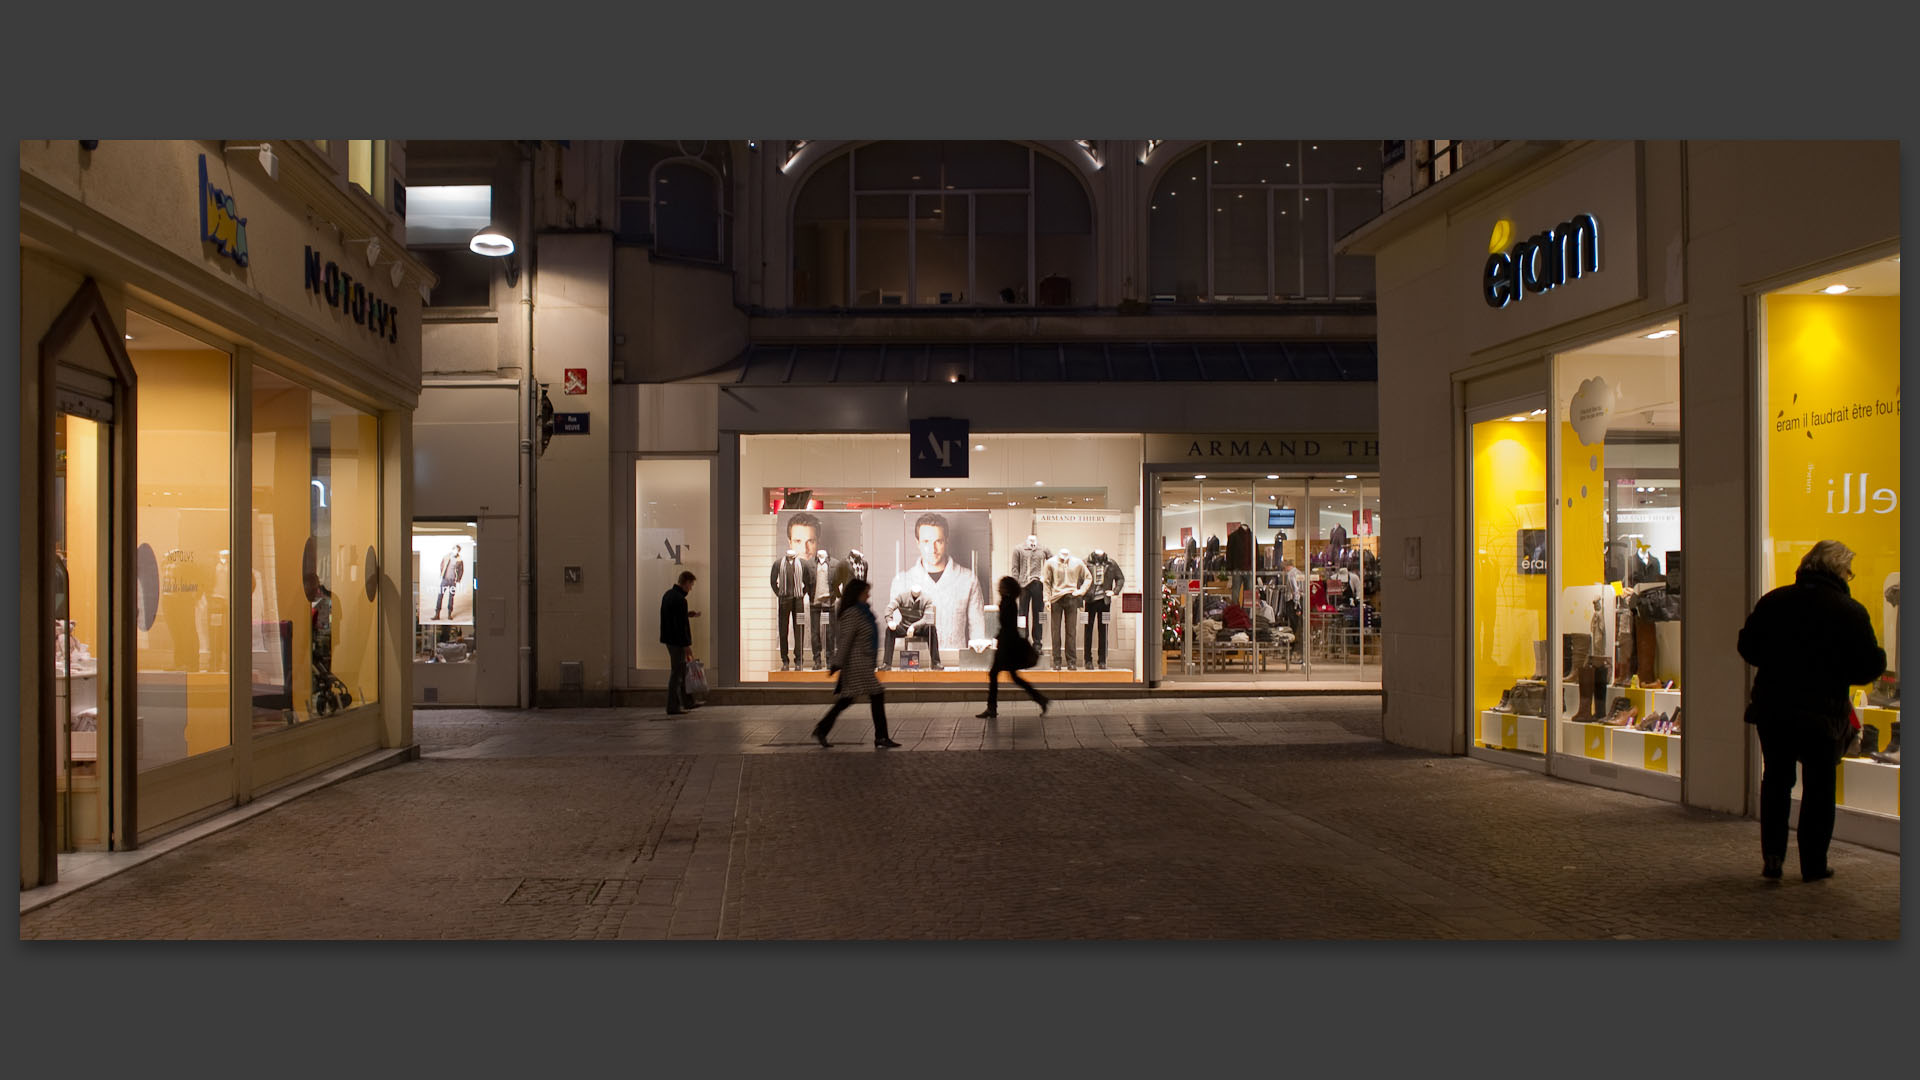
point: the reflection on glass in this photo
(185, 497)
(79, 645)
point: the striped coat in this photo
(856, 652)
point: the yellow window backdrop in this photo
(1509, 582)
(1832, 433)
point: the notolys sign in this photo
(1541, 263)
(341, 292)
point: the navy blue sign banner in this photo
(938, 448)
(570, 423)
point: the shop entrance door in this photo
(84, 758)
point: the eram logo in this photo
(1883, 500)
(220, 221)
(1545, 261)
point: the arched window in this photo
(930, 223)
(674, 198)
(1257, 221)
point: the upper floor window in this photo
(929, 223)
(367, 167)
(1257, 221)
(674, 197)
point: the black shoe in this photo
(1772, 867)
(820, 736)
(1821, 874)
(676, 712)
(988, 715)
(884, 744)
(1044, 702)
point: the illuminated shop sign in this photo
(220, 222)
(342, 292)
(1541, 263)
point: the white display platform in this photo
(1511, 731)
(1865, 784)
(1646, 750)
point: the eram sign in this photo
(220, 222)
(1541, 263)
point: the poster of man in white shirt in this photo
(948, 546)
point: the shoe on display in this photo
(1888, 757)
(1869, 740)
(1506, 697)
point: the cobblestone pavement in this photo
(1242, 818)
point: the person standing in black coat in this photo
(1011, 652)
(676, 633)
(1810, 642)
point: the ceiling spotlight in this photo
(1039, 483)
(1273, 476)
(1836, 290)
(1658, 334)
(1010, 504)
(1353, 476)
(979, 446)
(1199, 476)
(129, 337)
(1538, 412)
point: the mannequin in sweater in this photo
(1104, 583)
(1028, 560)
(1066, 581)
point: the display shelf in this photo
(1866, 784)
(1637, 749)
(1644, 700)
(1512, 731)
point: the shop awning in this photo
(1262, 361)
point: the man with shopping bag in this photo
(676, 633)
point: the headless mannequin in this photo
(1066, 580)
(793, 583)
(1105, 580)
(1028, 561)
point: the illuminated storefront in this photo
(220, 475)
(1666, 381)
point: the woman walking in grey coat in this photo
(855, 654)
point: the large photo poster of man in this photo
(815, 553)
(944, 558)
(444, 574)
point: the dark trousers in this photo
(933, 641)
(814, 613)
(877, 702)
(678, 699)
(993, 685)
(1032, 603)
(1064, 613)
(1095, 608)
(790, 607)
(1783, 746)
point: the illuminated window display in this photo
(184, 490)
(315, 519)
(1057, 512)
(673, 502)
(1621, 568)
(1511, 681)
(446, 574)
(1830, 467)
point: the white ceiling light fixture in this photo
(1836, 289)
(1658, 334)
(1353, 476)
(269, 163)
(372, 248)
(979, 446)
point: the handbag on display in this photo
(696, 678)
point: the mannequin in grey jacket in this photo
(1066, 581)
(830, 575)
(1104, 582)
(1028, 560)
(793, 582)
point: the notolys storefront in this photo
(221, 356)
(1218, 531)
(1667, 381)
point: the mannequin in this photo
(829, 576)
(910, 614)
(1028, 560)
(792, 580)
(1240, 561)
(1066, 581)
(856, 564)
(1104, 582)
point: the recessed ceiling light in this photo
(129, 337)
(1039, 483)
(1538, 412)
(1273, 476)
(1353, 476)
(1199, 476)
(1010, 504)
(996, 493)
(1836, 290)
(1517, 419)
(979, 446)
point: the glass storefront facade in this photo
(1829, 445)
(1267, 576)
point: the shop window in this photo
(673, 508)
(816, 510)
(446, 578)
(1513, 684)
(183, 560)
(976, 223)
(1257, 221)
(1617, 666)
(1830, 463)
(315, 542)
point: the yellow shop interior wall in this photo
(1509, 608)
